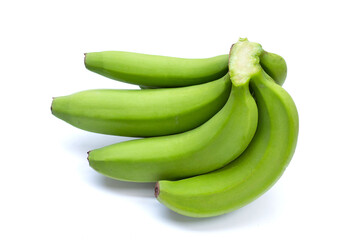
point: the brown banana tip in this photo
(85, 58)
(52, 104)
(88, 153)
(157, 189)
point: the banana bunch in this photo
(216, 133)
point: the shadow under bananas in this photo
(81, 143)
(261, 211)
(84, 141)
(145, 190)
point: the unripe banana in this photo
(152, 71)
(157, 71)
(139, 113)
(275, 66)
(206, 148)
(256, 169)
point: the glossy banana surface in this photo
(206, 148)
(157, 71)
(147, 113)
(254, 171)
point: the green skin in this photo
(151, 71)
(137, 113)
(157, 71)
(275, 66)
(206, 148)
(255, 170)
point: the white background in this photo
(48, 191)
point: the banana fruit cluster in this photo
(216, 133)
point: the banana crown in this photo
(244, 61)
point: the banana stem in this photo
(244, 61)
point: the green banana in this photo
(275, 66)
(258, 167)
(206, 148)
(151, 71)
(139, 113)
(157, 71)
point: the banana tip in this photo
(52, 104)
(157, 189)
(88, 153)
